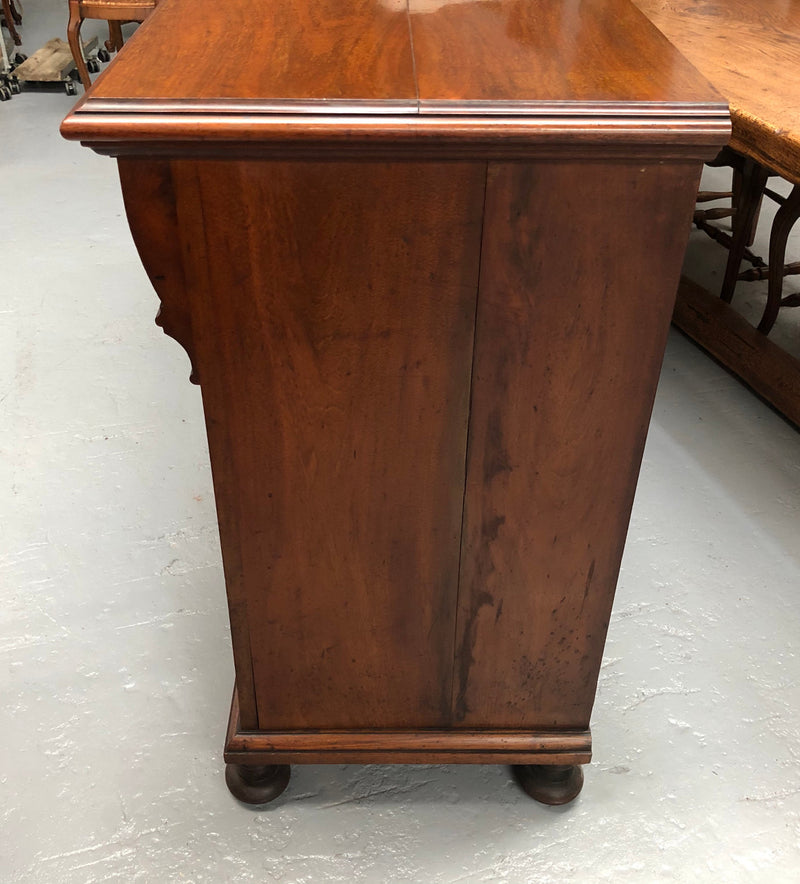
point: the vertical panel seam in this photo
(457, 618)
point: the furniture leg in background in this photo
(11, 17)
(785, 219)
(747, 195)
(752, 181)
(115, 40)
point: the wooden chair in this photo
(115, 12)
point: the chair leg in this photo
(750, 192)
(15, 13)
(115, 41)
(785, 219)
(9, 19)
(74, 40)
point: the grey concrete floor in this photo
(115, 662)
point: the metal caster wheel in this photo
(19, 57)
(69, 88)
(104, 56)
(14, 86)
(93, 66)
(5, 93)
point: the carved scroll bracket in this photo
(152, 215)
(177, 324)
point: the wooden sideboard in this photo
(423, 257)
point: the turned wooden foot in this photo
(550, 783)
(257, 783)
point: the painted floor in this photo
(115, 661)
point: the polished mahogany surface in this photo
(417, 70)
(750, 51)
(419, 50)
(344, 386)
(521, 51)
(328, 50)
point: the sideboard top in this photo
(250, 70)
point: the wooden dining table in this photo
(751, 52)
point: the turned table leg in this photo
(257, 783)
(550, 783)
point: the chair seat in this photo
(117, 10)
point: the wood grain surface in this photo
(421, 76)
(373, 50)
(751, 53)
(567, 357)
(328, 50)
(333, 314)
(523, 52)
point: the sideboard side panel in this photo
(163, 229)
(579, 272)
(333, 318)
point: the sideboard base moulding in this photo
(545, 764)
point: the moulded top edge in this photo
(254, 106)
(180, 108)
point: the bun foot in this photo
(550, 783)
(257, 783)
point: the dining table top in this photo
(751, 52)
